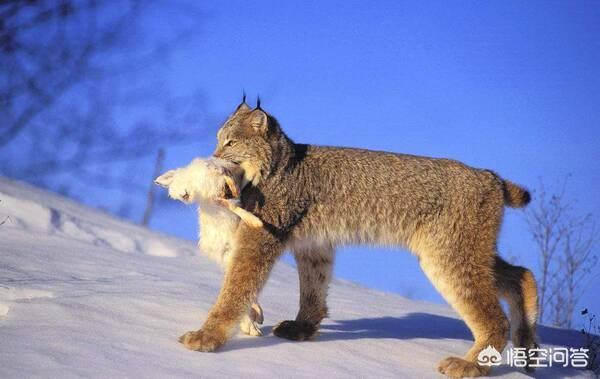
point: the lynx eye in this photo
(229, 143)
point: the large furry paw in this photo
(455, 367)
(201, 340)
(296, 330)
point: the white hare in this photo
(215, 185)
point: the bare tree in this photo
(576, 263)
(565, 243)
(76, 102)
(591, 333)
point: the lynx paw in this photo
(455, 367)
(201, 340)
(296, 330)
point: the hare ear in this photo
(165, 179)
(259, 121)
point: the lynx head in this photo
(253, 139)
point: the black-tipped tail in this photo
(515, 196)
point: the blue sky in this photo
(510, 86)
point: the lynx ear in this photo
(165, 179)
(243, 107)
(259, 121)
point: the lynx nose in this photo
(186, 196)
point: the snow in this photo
(85, 294)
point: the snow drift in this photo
(85, 294)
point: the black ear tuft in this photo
(243, 107)
(258, 102)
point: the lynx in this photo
(314, 198)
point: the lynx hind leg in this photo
(517, 286)
(470, 289)
(315, 271)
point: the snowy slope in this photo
(85, 294)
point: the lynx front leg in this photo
(314, 268)
(257, 252)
